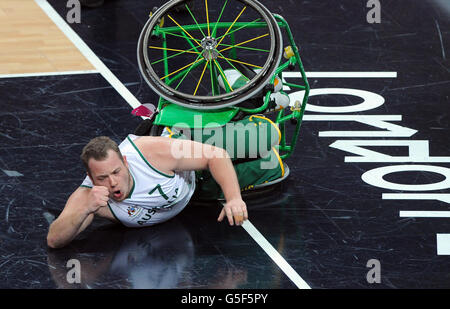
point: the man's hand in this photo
(98, 197)
(234, 209)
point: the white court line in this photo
(107, 74)
(275, 255)
(425, 214)
(38, 74)
(443, 197)
(88, 53)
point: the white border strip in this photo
(274, 255)
(352, 74)
(425, 214)
(443, 244)
(38, 74)
(341, 74)
(88, 53)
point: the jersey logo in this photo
(133, 211)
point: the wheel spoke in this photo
(234, 60)
(195, 20)
(192, 63)
(223, 76)
(184, 37)
(174, 55)
(189, 41)
(201, 77)
(231, 26)
(207, 17)
(244, 26)
(213, 79)
(248, 48)
(220, 16)
(248, 41)
(231, 64)
(183, 29)
(187, 72)
(177, 50)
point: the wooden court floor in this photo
(31, 43)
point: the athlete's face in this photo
(113, 174)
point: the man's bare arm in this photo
(172, 155)
(78, 213)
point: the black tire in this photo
(153, 74)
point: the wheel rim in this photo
(191, 59)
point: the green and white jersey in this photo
(155, 197)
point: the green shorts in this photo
(250, 175)
(252, 145)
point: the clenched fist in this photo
(98, 197)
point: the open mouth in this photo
(117, 194)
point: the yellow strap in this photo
(279, 160)
(282, 170)
(170, 131)
(271, 122)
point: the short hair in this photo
(97, 149)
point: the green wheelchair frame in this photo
(170, 114)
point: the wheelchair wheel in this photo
(188, 56)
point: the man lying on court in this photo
(145, 181)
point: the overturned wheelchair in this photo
(218, 69)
